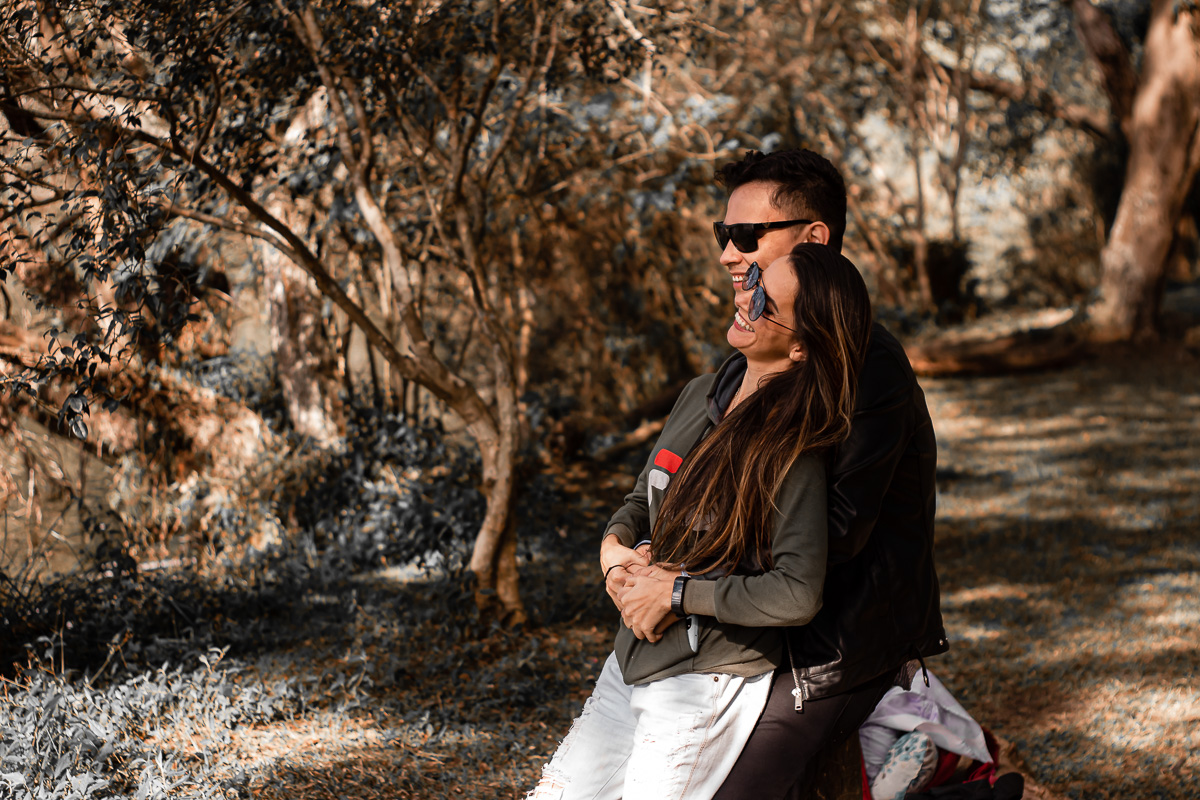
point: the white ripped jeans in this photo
(670, 739)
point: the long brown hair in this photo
(728, 482)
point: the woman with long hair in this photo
(732, 500)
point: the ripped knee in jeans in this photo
(555, 779)
(551, 786)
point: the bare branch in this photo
(231, 225)
(518, 108)
(74, 87)
(336, 81)
(1033, 91)
(207, 130)
(309, 35)
(334, 76)
(1088, 119)
(463, 152)
(632, 29)
(420, 142)
(450, 107)
(1104, 45)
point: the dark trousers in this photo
(780, 752)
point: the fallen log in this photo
(630, 441)
(999, 345)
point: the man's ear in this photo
(818, 233)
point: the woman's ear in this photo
(798, 354)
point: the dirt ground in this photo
(1069, 556)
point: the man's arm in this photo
(627, 528)
(631, 522)
(865, 463)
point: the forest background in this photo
(352, 319)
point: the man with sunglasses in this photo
(881, 613)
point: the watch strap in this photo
(677, 596)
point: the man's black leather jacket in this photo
(881, 601)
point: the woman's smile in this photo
(740, 322)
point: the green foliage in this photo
(67, 740)
(353, 645)
(392, 494)
(111, 612)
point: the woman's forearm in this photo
(790, 592)
(772, 599)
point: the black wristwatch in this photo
(677, 596)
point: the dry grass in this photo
(1069, 553)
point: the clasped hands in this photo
(641, 590)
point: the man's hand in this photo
(617, 560)
(645, 602)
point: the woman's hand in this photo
(645, 602)
(617, 560)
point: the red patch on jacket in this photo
(667, 460)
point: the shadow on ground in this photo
(1069, 554)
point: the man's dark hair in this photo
(806, 184)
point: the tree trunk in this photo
(304, 357)
(1164, 152)
(307, 361)
(916, 142)
(494, 558)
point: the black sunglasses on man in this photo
(744, 235)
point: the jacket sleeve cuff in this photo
(700, 597)
(622, 532)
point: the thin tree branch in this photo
(207, 130)
(1090, 120)
(519, 106)
(1102, 42)
(231, 225)
(450, 108)
(632, 29)
(74, 87)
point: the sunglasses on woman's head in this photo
(758, 300)
(744, 235)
